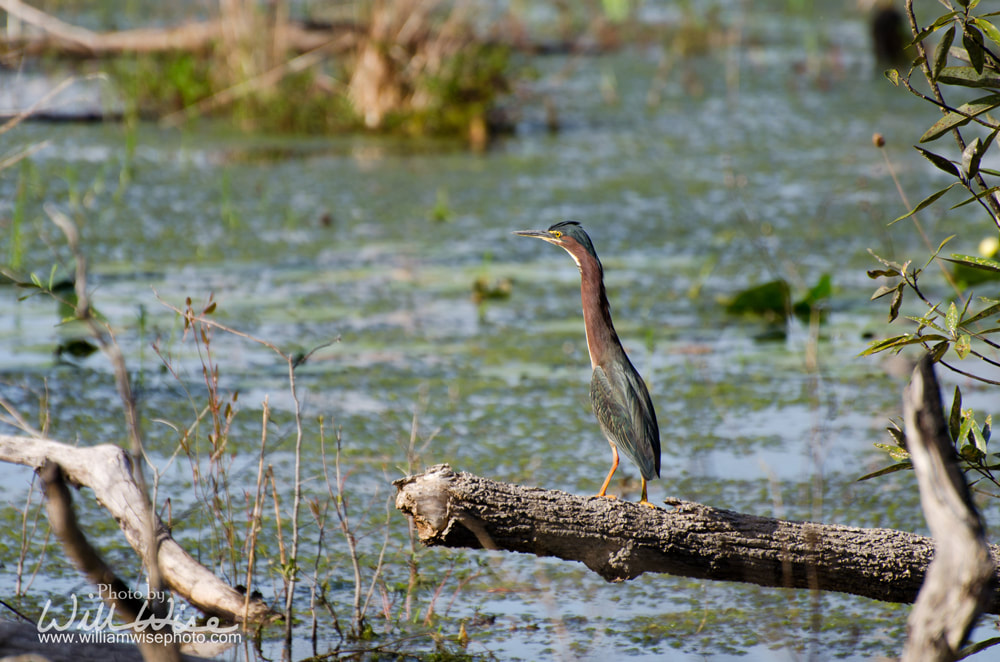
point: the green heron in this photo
(618, 394)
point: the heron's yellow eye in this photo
(555, 233)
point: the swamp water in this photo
(374, 245)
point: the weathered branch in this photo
(621, 540)
(960, 579)
(106, 469)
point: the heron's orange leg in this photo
(614, 466)
(644, 501)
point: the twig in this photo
(296, 504)
(14, 159)
(15, 419)
(253, 528)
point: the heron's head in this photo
(569, 235)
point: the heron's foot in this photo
(648, 504)
(602, 495)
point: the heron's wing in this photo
(625, 414)
(644, 421)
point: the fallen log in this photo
(106, 469)
(620, 540)
(51, 36)
(54, 36)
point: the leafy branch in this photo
(965, 66)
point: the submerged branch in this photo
(620, 540)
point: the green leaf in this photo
(972, 39)
(880, 273)
(974, 262)
(951, 318)
(895, 266)
(941, 52)
(963, 431)
(887, 343)
(971, 454)
(898, 342)
(965, 310)
(990, 138)
(988, 28)
(888, 470)
(955, 418)
(926, 202)
(963, 345)
(987, 332)
(972, 649)
(983, 314)
(895, 452)
(940, 246)
(977, 436)
(935, 26)
(927, 321)
(897, 301)
(971, 156)
(981, 194)
(885, 289)
(897, 434)
(892, 75)
(987, 428)
(940, 162)
(960, 117)
(969, 77)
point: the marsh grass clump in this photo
(417, 68)
(422, 68)
(457, 99)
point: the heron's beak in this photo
(538, 234)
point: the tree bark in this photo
(960, 581)
(620, 540)
(106, 469)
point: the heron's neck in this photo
(602, 340)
